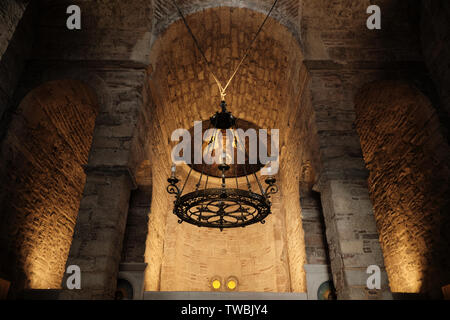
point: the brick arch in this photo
(287, 13)
(268, 91)
(266, 84)
(38, 75)
(47, 143)
(41, 74)
(407, 156)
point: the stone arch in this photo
(43, 153)
(287, 13)
(271, 86)
(38, 75)
(407, 155)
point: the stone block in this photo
(108, 157)
(358, 278)
(351, 247)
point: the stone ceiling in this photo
(265, 91)
(287, 12)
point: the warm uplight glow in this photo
(43, 203)
(182, 257)
(396, 124)
(408, 277)
(216, 284)
(50, 275)
(231, 284)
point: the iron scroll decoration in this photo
(223, 207)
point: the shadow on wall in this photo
(47, 143)
(408, 159)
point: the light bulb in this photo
(224, 158)
(216, 284)
(232, 285)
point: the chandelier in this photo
(230, 205)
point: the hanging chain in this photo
(222, 89)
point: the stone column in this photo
(350, 224)
(97, 241)
(352, 238)
(318, 266)
(314, 228)
(116, 150)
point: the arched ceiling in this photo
(266, 90)
(287, 12)
(41, 161)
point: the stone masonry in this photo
(137, 64)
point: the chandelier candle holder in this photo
(230, 205)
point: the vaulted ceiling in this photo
(265, 91)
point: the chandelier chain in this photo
(222, 89)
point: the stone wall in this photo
(42, 156)
(256, 254)
(314, 225)
(111, 30)
(16, 40)
(98, 235)
(267, 90)
(115, 43)
(407, 156)
(336, 31)
(11, 12)
(136, 232)
(116, 152)
(350, 225)
(137, 226)
(435, 32)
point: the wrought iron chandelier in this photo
(227, 206)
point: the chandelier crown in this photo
(223, 120)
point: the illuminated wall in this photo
(256, 255)
(408, 160)
(42, 156)
(268, 92)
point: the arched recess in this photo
(269, 92)
(408, 159)
(47, 143)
